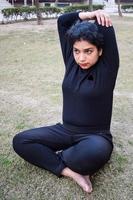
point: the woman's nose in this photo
(82, 57)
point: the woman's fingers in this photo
(107, 20)
(98, 18)
(103, 18)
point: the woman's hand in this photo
(101, 17)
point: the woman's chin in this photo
(85, 67)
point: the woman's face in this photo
(85, 54)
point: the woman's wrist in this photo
(85, 15)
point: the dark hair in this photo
(85, 31)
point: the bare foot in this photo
(83, 181)
(87, 178)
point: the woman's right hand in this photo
(102, 17)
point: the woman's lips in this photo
(83, 65)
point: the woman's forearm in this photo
(66, 20)
(85, 15)
(101, 17)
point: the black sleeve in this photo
(110, 54)
(65, 21)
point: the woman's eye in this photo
(76, 51)
(88, 51)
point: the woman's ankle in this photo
(81, 180)
(67, 172)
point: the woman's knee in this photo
(99, 152)
(88, 156)
(18, 142)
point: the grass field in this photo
(31, 72)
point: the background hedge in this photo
(26, 12)
(29, 12)
(127, 8)
(82, 8)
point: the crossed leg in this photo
(84, 158)
(38, 146)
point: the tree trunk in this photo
(56, 2)
(13, 2)
(91, 5)
(119, 8)
(39, 16)
(32, 2)
(25, 2)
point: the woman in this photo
(83, 143)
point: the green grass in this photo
(4, 161)
(130, 142)
(121, 161)
(31, 72)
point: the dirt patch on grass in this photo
(29, 26)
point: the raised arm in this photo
(110, 51)
(65, 21)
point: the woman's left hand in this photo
(102, 17)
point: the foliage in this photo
(81, 8)
(27, 12)
(127, 8)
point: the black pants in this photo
(54, 147)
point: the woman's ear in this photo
(100, 52)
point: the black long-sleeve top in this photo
(88, 93)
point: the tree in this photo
(39, 16)
(56, 2)
(91, 4)
(32, 2)
(13, 2)
(119, 8)
(25, 2)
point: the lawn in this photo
(31, 72)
